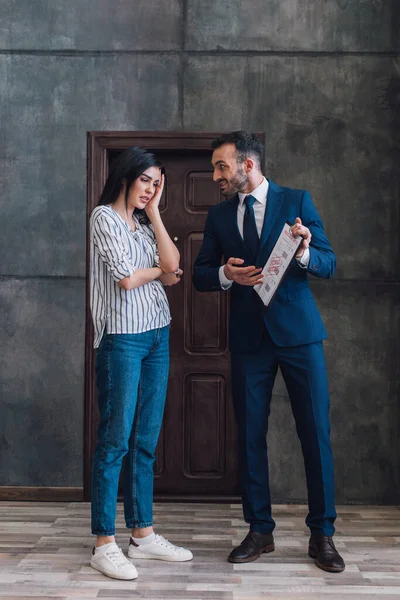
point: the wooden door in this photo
(196, 454)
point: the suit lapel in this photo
(274, 203)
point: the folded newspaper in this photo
(278, 263)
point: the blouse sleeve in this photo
(107, 240)
(151, 237)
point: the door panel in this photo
(205, 328)
(204, 426)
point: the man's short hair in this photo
(246, 144)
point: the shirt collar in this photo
(259, 193)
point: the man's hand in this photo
(171, 278)
(299, 229)
(242, 275)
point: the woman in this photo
(132, 259)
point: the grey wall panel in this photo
(51, 104)
(86, 25)
(214, 93)
(291, 25)
(329, 124)
(329, 129)
(42, 380)
(362, 356)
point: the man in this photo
(288, 334)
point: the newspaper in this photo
(277, 264)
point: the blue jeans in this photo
(132, 376)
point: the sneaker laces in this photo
(161, 541)
(117, 557)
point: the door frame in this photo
(99, 143)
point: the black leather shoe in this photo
(253, 545)
(322, 548)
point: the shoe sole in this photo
(164, 558)
(265, 550)
(313, 555)
(112, 576)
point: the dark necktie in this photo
(250, 233)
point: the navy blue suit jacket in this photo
(292, 318)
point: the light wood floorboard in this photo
(45, 552)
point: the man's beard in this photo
(236, 184)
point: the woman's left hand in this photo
(155, 201)
(171, 278)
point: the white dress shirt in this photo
(259, 206)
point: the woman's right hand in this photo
(171, 278)
(153, 204)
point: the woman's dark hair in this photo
(125, 169)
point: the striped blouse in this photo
(115, 253)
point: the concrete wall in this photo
(320, 77)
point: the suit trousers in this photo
(304, 371)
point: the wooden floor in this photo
(45, 552)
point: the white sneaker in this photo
(160, 549)
(111, 561)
